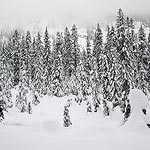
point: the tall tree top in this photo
(88, 45)
(16, 37)
(120, 22)
(28, 40)
(46, 40)
(149, 38)
(74, 33)
(98, 41)
(141, 34)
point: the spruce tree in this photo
(47, 63)
(97, 50)
(57, 70)
(16, 53)
(38, 64)
(68, 62)
(28, 46)
(75, 48)
(142, 53)
(66, 119)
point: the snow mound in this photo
(51, 126)
(137, 120)
(138, 99)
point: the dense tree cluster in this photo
(105, 71)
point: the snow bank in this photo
(43, 129)
(138, 120)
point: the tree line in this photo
(59, 67)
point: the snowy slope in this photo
(138, 119)
(43, 130)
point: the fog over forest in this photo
(66, 12)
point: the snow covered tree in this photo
(47, 63)
(149, 42)
(57, 70)
(5, 76)
(106, 110)
(88, 65)
(75, 47)
(123, 60)
(120, 24)
(127, 111)
(95, 87)
(97, 50)
(9, 62)
(33, 61)
(29, 109)
(21, 98)
(38, 64)
(23, 61)
(89, 58)
(142, 53)
(28, 46)
(110, 90)
(16, 53)
(89, 107)
(68, 63)
(83, 79)
(66, 119)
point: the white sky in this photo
(66, 11)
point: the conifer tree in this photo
(124, 67)
(75, 47)
(16, 53)
(28, 46)
(57, 71)
(66, 119)
(97, 50)
(47, 63)
(68, 63)
(89, 107)
(33, 55)
(38, 64)
(142, 53)
(29, 108)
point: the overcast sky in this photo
(67, 11)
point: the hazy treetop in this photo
(67, 11)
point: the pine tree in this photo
(89, 107)
(88, 60)
(141, 55)
(120, 24)
(66, 119)
(16, 53)
(123, 59)
(33, 55)
(28, 46)
(38, 64)
(97, 50)
(29, 108)
(75, 48)
(47, 63)
(106, 110)
(83, 79)
(35, 100)
(68, 63)
(9, 60)
(88, 65)
(23, 61)
(95, 87)
(57, 71)
(21, 98)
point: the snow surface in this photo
(43, 130)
